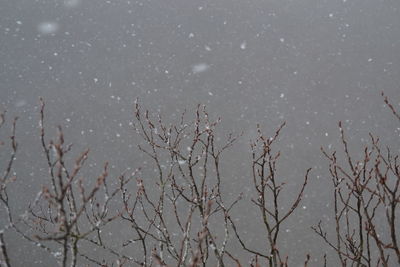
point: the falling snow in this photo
(48, 27)
(251, 63)
(199, 68)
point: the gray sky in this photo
(310, 63)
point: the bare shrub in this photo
(6, 176)
(178, 213)
(268, 187)
(173, 221)
(65, 212)
(366, 196)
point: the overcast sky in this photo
(308, 62)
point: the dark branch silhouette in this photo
(181, 214)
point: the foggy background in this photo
(310, 63)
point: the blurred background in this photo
(310, 63)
